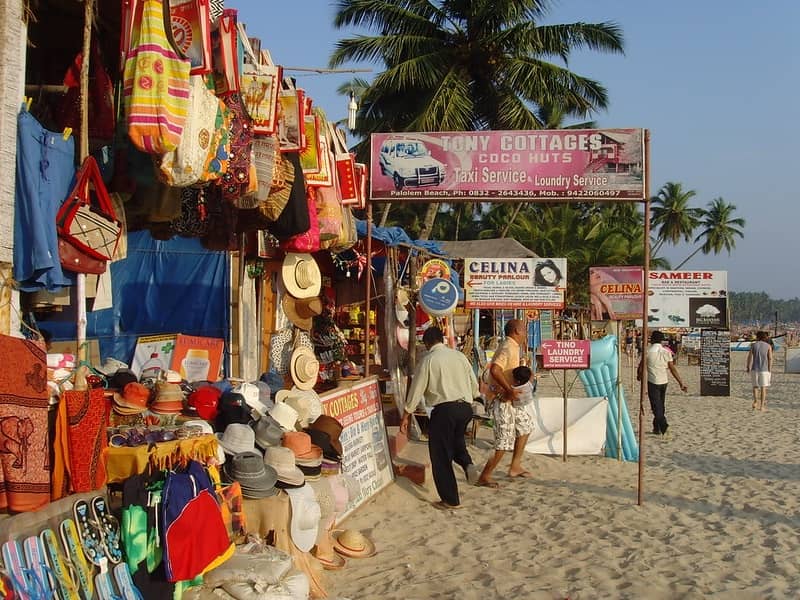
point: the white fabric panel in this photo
(586, 425)
(249, 340)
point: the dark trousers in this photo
(657, 392)
(446, 444)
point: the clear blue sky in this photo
(716, 83)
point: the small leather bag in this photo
(86, 219)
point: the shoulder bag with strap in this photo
(156, 84)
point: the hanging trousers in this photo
(446, 444)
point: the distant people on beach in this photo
(659, 363)
(759, 365)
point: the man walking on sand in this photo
(659, 361)
(444, 377)
(759, 365)
(512, 425)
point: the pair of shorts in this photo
(760, 378)
(509, 424)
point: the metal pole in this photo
(619, 400)
(564, 431)
(643, 383)
(368, 271)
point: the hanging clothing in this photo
(24, 447)
(44, 174)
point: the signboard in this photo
(715, 362)
(515, 282)
(597, 164)
(565, 354)
(365, 449)
(688, 299)
(154, 350)
(616, 293)
(197, 358)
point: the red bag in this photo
(308, 241)
(225, 53)
(345, 169)
(76, 261)
(86, 219)
(191, 30)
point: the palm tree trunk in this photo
(511, 220)
(385, 214)
(430, 217)
(688, 258)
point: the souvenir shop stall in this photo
(182, 215)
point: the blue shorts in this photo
(44, 176)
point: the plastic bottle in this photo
(152, 368)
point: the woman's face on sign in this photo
(549, 275)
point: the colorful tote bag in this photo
(307, 241)
(236, 179)
(329, 215)
(185, 165)
(290, 117)
(156, 84)
(225, 53)
(311, 158)
(260, 84)
(191, 30)
(345, 168)
(324, 176)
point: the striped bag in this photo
(156, 84)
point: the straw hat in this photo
(281, 459)
(306, 515)
(169, 398)
(301, 311)
(353, 543)
(284, 415)
(301, 276)
(237, 438)
(304, 368)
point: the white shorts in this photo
(760, 378)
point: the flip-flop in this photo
(445, 506)
(127, 589)
(105, 586)
(23, 579)
(523, 475)
(109, 529)
(81, 569)
(64, 586)
(487, 484)
(91, 538)
(37, 563)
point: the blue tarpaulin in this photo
(393, 236)
(173, 286)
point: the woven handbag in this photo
(86, 219)
(156, 84)
(259, 86)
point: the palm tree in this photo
(720, 229)
(452, 65)
(672, 218)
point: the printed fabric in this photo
(24, 448)
(86, 438)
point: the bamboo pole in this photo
(368, 292)
(88, 14)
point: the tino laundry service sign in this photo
(515, 282)
(596, 164)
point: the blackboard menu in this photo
(715, 362)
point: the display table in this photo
(124, 462)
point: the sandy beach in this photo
(720, 519)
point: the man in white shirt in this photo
(445, 379)
(659, 361)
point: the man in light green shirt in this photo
(444, 378)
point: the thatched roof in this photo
(494, 248)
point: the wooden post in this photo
(645, 337)
(368, 286)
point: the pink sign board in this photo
(565, 354)
(595, 164)
(616, 293)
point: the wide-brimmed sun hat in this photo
(284, 415)
(306, 402)
(301, 275)
(300, 443)
(353, 543)
(282, 459)
(268, 432)
(304, 368)
(332, 427)
(305, 517)
(133, 399)
(301, 311)
(237, 438)
(256, 479)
